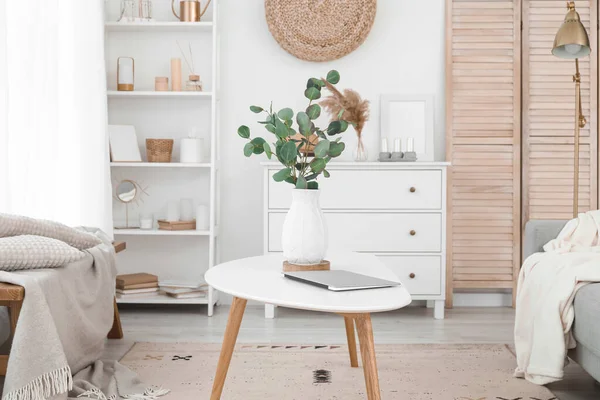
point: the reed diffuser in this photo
(193, 84)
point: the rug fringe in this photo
(151, 393)
(44, 386)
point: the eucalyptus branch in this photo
(288, 150)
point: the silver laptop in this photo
(339, 280)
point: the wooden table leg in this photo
(116, 332)
(367, 351)
(351, 341)
(236, 312)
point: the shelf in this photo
(158, 232)
(138, 94)
(158, 26)
(159, 165)
(162, 299)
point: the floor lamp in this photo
(572, 42)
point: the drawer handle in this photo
(413, 232)
(413, 189)
(412, 275)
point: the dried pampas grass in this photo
(348, 106)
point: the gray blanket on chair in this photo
(66, 315)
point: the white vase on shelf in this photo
(304, 236)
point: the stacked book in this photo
(184, 290)
(136, 285)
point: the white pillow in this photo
(30, 252)
(14, 225)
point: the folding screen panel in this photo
(483, 90)
(549, 114)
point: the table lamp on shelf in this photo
(572, 42)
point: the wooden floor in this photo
(409, 325)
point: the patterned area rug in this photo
(408, 372)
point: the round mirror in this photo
(126, 191)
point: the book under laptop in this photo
(339, 280)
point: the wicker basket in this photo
(159, 150)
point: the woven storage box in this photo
(159, 150)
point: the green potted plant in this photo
(293, 136)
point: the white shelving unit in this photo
(151, 93)
(181, 255)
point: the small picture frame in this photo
(123, 144)
(409, 116)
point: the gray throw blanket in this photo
(66, 315)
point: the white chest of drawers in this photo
(396, 211)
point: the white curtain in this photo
(53, 119)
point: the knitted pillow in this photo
(14, 225)
(31, 252)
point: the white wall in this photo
(404, 53)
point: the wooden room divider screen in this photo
(510, 104)
(483, 139)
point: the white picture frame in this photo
(123, 144)
(409, 116)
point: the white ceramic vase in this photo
(304, 237)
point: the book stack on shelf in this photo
(136, 285)
(183, 290)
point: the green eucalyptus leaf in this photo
(335, 149)
(326, 173)
(333, 77)
(322, 148)
(317, 165)
(312, 185)
(288, 152)
(344, 125)
(291, 179)
(303, 123)
(301, 183)
(286, 114)
(313, 111)
(282, 174)
(311, 176)
(336, 127)
(244, 131)
(270, 128)
(314, 82)
(256, 109)
(312, 93)
(258, 145)
(321, 134)
(281, 129)
(268, 151)
(248, 149)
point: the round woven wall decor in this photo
(320, 30)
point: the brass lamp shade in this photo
(571, 40)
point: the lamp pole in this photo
(572, 42)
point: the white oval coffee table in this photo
(260, 279)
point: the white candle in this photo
(384, 145)
(410, 144)
(146, 221)
(202, 219)
(125, 71)
(397, 145)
